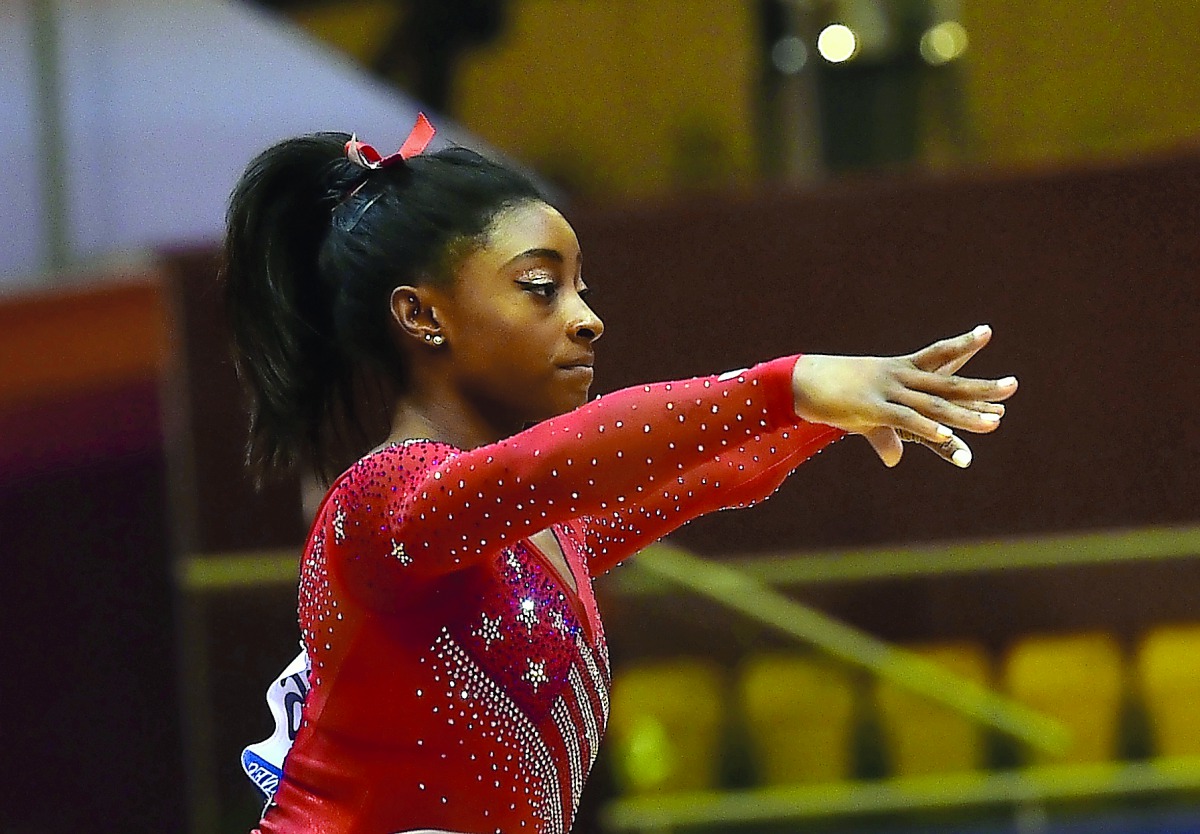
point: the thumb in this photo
(886, 444)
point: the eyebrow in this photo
(548, 254)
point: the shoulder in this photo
(374, 495)
(386, 476)
(357, 535)
(398, 465)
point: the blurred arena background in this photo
(1013, 648)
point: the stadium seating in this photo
(666, 726)
(799, 713)
(922, 737)
(1168, 676)
(1078, 679)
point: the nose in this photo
(587, 326)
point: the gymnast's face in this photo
(519, 332)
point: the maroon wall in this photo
(91, 723)
(1089, 278)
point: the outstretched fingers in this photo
(975, 417)
(918, 395)
(947, 403)
(886, 443)
(902, 417)
(952, 450)
(959, 389)
(948, 355)
(914, 426)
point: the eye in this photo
(585, 293)
(545, 289)
(539, 281)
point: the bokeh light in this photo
(837, 43)
(944, 42)
(789, 55)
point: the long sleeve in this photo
(739, 478)
(439, 509)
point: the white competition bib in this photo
(263, 762)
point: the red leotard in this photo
(458, 682)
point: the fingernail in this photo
(944, 432)
(990, 418)
(1007, 382)
(962, 458)
(981, 331)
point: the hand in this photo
(916, 397)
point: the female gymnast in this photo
(458, 670)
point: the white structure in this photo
(163, 102)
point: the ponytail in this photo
(307, 292)
(279, 304)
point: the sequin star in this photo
(514, 563)
(399, 554)
(556, 617)
(536, 674)
(528, 614)
(489, 631)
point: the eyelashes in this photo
(545, 289)
(543, 283)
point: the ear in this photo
(414, 312)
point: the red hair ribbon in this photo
(418, 139)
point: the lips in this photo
(581, 362)
(580, 369)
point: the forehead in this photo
(532, 225)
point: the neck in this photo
(434, 413)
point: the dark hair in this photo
(314, 245)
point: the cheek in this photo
(507, 343)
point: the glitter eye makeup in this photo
(545, 282)
(537, 274)
(540, 281)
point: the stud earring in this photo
(438, 339)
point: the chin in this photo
(568, 402)
(580, 399)
(554, 401)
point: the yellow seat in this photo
(666, 726)
(1077, 679)
(923, 737)
(799, 713)
(1168, 677)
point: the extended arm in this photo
(632, 447)
(738, 478)
(886, 400)
(611, 452)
